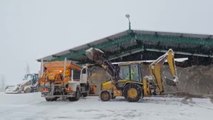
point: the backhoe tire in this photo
(132, 92)
(77, 95)
(105, 96)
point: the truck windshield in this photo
(76, 75)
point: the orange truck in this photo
(62, 79)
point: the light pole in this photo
(128, 17)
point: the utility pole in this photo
(128, 17)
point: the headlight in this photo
(47, 84)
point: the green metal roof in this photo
(133, 41)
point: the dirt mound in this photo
(97, 77)
(197, 80)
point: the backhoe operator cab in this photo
(127, 79)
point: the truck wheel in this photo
(132, 92)
(77, 96)
(48, 99)
(51, 99)
(71, 99)
(85, 94)
(54, 99)
(105, 96)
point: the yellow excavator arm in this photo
(156, 70)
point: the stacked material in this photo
(196, 80)
(97, 77)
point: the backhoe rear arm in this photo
(156, 69)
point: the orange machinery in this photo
(61, 79)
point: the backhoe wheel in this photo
(132, 92)
(105, 96)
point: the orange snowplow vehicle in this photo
(62, 79)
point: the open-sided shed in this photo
(140, 45)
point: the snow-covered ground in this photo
(33, 107)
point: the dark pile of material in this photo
(196, 80)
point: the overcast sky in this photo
(31, 29)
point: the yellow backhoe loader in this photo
(126, 77)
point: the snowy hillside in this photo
(33, 107)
